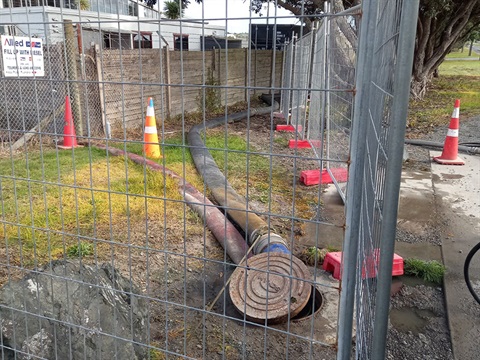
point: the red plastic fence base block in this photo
(315, 177)
(289, 128)
(333, 264)
(304, 144)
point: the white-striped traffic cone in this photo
(450, 148)
(151, 146)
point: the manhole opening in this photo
(313, 306)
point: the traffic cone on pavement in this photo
(150, 138)
(450, 148)
(69, 136)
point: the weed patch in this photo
(80, 250)
(431, 271)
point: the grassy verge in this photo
(437, 106)
(50, 200)
(460, 68)
(457, 80)
(460, 55)
(55, 203)
(431, 271)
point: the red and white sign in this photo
(22, 56)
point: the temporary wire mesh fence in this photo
(325, 68)
(196, 254)
(385, 55)
(301, 82)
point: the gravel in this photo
(425, 305)
(422, 332)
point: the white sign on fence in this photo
(22, 56)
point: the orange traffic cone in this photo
(450, 148)
(150, 138)
(69, 136)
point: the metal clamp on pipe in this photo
(271, 242)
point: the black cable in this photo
(461, 148)
(472, 143)
(466, 272)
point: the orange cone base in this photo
(456, 161)
(60, 146)
(154, 153)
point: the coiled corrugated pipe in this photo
(257, 230)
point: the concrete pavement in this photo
(457, 190)
(439, 207)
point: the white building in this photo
(111, 23)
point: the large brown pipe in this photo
(225, 233)
(255, 227)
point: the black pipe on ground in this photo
(461, 148)
(225, 233)
(257, 230)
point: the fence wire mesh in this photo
(325, 67)
(301, 82)
(378, 124)
(179, 229)
(376, 153)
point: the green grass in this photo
(437, 106)
(313, 255)
(460, 55)
(48, 199)
(460, 67)
(457, 80)
(431, 271)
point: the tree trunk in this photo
(419, 86)
(437, 32)
(471, 48)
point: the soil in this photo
(181, 287)
(181, 272)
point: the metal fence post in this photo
(71, 65)
(355, 181)
(396, 137)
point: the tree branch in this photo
(297, 12)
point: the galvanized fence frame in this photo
(324, 65)
(301, 76)
(385, 56)
(164, 293)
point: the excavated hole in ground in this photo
(313, 306)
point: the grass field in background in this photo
(457, 80)
(460, 68)
(460, 55)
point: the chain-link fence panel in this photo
(93, 114)
(31, 104)
(35, 105)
